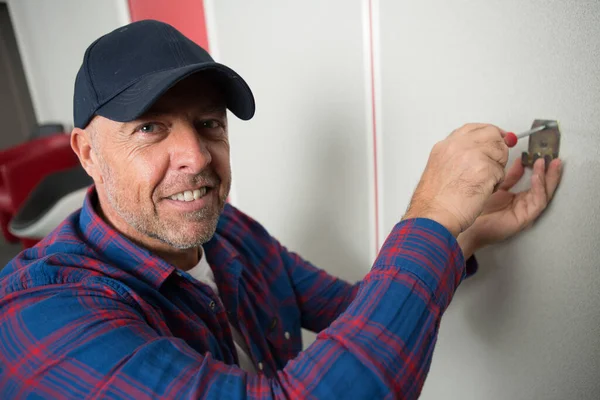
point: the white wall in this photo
(52, 38)
(528, 326)
(301, 165)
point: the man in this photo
(158, 289)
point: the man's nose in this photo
(189, 151)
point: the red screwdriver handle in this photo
(511, 139)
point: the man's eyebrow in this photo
(158, 112)
(123, 127)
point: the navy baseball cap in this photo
(125, 71)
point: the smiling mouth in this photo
(190, 195)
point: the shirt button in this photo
(261, 366)
(287, 335)
(212, 305)
(273, 324)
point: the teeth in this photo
(190, 195)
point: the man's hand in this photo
(507, 213)
(462, 172)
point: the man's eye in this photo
(148, 128)
(210, 124)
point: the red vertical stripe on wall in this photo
(185, 15)
(374, 119)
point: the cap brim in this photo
(136, 99)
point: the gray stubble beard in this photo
(164, 231)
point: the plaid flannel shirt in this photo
(87, 313)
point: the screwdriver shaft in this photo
(531, 131)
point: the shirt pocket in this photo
(285, 339)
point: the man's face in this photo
(167, 174)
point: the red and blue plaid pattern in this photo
(87, 313)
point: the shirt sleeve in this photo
(321, 297)
(89, 340)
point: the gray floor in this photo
(8, 251)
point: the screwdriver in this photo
(511, 138)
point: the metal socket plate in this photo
(544, 144)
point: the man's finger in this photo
(538, 188)
(490, 141)
(553, 176)
(497, 151)
(514, 174)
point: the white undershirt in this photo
(204, 274)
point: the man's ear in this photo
(81, 143)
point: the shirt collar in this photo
(116, 249)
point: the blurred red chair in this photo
(56, 197)
(24, 166)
